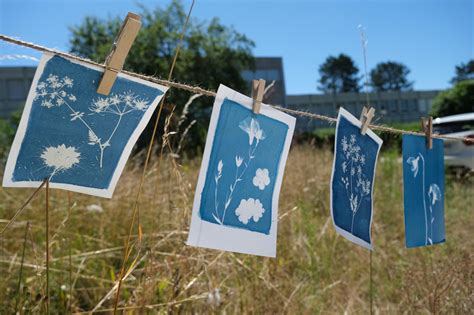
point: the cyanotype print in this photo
(352, 180)
(77, 138)
(423, 187)
(240, 177)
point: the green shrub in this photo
(7, 133)
(458, 100)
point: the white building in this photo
(389, 106)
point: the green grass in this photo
(315, 272)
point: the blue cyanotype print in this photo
(352, 181)
(242, 169)
(74, 135)
(423, 188)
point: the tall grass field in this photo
(315, 272)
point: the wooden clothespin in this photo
(427, 128)
(116, 58)
(365, 118)
(258, 89)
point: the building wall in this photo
(15, 83)
(389, 106)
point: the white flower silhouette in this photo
(434, 193)
(414, 164)
(68, 81)
(53, 93)
(238, 161)
(219, 167)
(252, 127)
(250, 208)
(60, 158)
(261, 178)
(355, 182)
(255, 134)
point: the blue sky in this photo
(430, 37)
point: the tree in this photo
(339, 74)
(8, 128)
(464, 71)
(211, 54)
(457, 100)
(390, 76)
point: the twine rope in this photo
(199, 90)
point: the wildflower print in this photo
(255, 134)
(353, 174)
(54, 93)
(53, 90)
(434, 194)
(238, 161)
(249, 209)
(71, 134)
(60, 158)
(355, 182)
(76, 115)
(413, 162)
(261, 179)
(235, 205)
(423, 192)
(252, 128)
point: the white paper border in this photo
(215, 236)
(21, 131)
(344, 113)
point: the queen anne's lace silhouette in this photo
(53, 92)
(60, 158)
(355, 182)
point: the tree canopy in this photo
(339, 74)
(464, 71)
(457, 100)
(390, 76)
(211, 53)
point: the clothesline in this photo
(199, 90)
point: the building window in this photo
(405, 105)
(422, 106)
(393, 105)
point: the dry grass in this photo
(315, 272)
